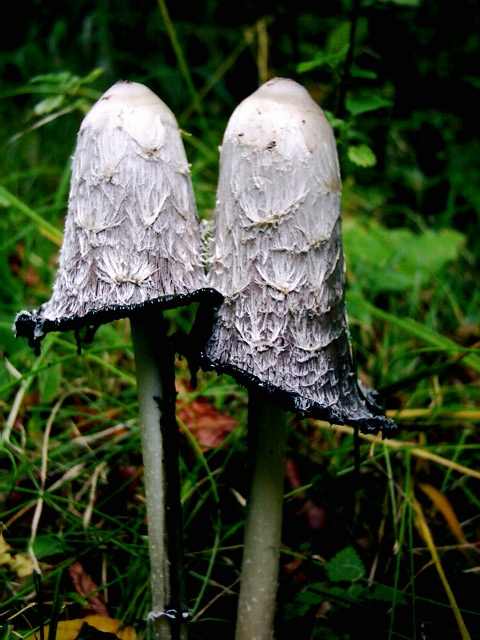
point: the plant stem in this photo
(182, 63)
(347, 68)
(263, 527)
(155, 381)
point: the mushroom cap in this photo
(277, 258)
(132, 236)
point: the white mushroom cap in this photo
(277, 258)
(132, 235)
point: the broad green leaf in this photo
(341, 596)
(357, 72)
(47, 545)
(4, 200)
(384, 593)
(362, 156)
(295, 609)
(346, 566)
(92, 76)
(364, 103)
(339, 37)
(49, 381)
(52, 78)
(397, 260)
(48, 105)
(324, 633)
(403, 3)
(321, 59)
(338, 40)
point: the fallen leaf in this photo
(315, 516)
(18, 562)
(86, 587)
(292, 477)
(69, 629)
(209, 426)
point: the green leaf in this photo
(48, 105)
(336, 49)
(384, 593)
(339, 38)
(52, 78)
(362, 155)
(398, 260)
(344, 597)
(6, 633)
(4, 201)
(357, 72)
(346, 566)
(314, 591)
(324, 633)
(92, 76)
(365, 103)
(403, 3)
(46, 545)
(321, 59)
(295, 610)
(49, 381)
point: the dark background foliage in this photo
(405, 113)
(424, 54)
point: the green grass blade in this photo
(46, 229)
(418, 330)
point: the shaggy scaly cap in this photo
(132, 235)
(277, 258)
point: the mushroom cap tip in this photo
(126, 96)
(126, 91)
(281, 105)
(284, 89)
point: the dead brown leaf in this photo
(85, 586)
(209, 426)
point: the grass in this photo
(377, 535)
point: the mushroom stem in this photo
(159, 438)
(263, 527)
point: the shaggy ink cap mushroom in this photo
(132, 236)
(132, 247)
(277, 258)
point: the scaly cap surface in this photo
(277, 258)
(132, 235)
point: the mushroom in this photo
(132, 247)
(282, 331)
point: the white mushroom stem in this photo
(155, 398)
(263, 527)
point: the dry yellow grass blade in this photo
(412, 414)
(412, 448)
(426, 534)
(443, 504)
